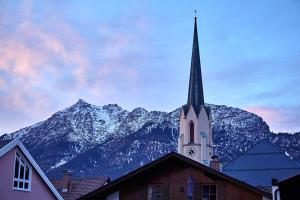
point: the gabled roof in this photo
(78, 187)
(260, 164)
(154, 165)
(9, 145)
(185, 109)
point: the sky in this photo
(136, 53)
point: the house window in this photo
(155, 192)
(209, 192)
(22, 174)
(191, 132)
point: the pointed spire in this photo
(195, 95)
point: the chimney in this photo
(274, 181)
(215, 163)
(66, 180)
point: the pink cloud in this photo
(27, 100)
(268, 113)
(28, 54)
(279, 118)
(2, 84)
(46, 65)
(118, 49)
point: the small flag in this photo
(190, 187)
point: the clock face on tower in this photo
(191, 151)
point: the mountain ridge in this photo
(87, 138)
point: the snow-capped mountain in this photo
(109, 140)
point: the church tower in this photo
(195, 134)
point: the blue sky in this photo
(137, 53)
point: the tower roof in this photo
(195, 93)
(260, 164)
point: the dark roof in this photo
(260, 164)
(78, 187)
(195, 93)
(107, 189)
(289, 180)
(289, 188)
(4, 143)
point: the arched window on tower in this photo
(192, 132)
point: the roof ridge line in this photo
(264, 169)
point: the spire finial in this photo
(195, 11)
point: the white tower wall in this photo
(202, 136)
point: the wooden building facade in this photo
(176, 177)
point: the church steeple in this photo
(195, 131)
(195, 93)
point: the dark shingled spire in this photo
(195, 95)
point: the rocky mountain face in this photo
(108, 140)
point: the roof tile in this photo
(78, 187)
